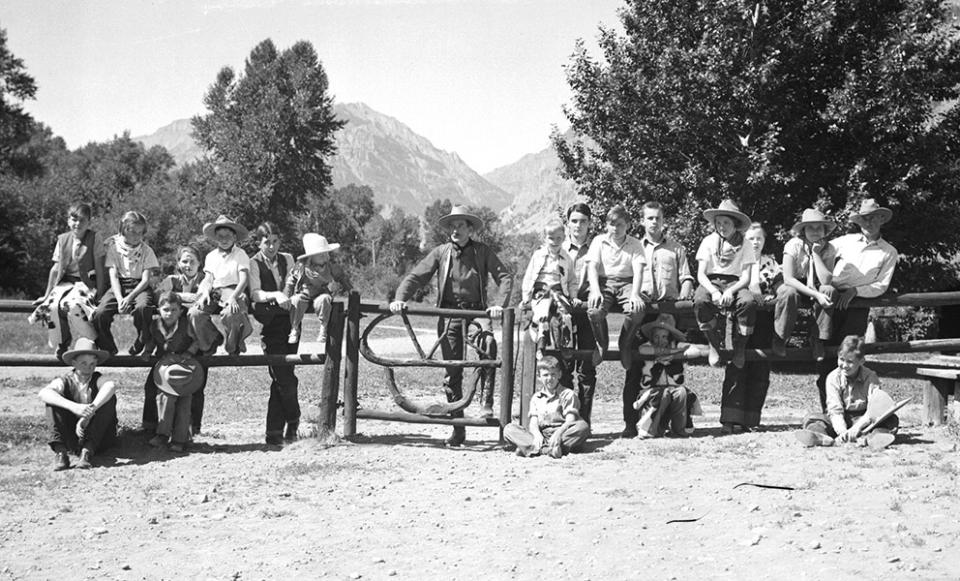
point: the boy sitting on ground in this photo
(81, 407)
(849, 389)
(556, 427)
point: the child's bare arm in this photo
(50, 396)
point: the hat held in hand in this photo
(179, 374)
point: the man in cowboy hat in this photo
(81, 407)
(864, 268)
(463, 266)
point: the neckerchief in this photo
(727, 253)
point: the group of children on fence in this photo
(616, 271)
(93, 280)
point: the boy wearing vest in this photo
(463, 267)
(78, 260)
(81, 407)
(269, 269)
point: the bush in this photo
(904, 323)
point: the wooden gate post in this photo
(330, 388)
(351, 377)
(528, 374)
(507, 330)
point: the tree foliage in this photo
(16, 126)
(778, 105)
(269, 134)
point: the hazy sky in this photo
(479, 77)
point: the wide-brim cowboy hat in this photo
(314, 244)
(663, 321)
(461, 213)
(210, 228)
(179, 375)
(728, 208)
(870, 206)
(812, 217)
(85, 346)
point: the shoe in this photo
(879, 440)
(84, 462)
(816, 346)
(136, 348)
(630, 431)
(291, 433)
(810, 439)
(294, 336)
(61, 461)
(158, 441)
(714, 357)
(726, 428)
(597, 357)
(778, 346)
(274, 440)
(556, 452)
(457, 438)
(178, 448)
(525, 451)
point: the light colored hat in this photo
(461, 212)
(210, 228)
(314, 244)
(812, 217)
(85, 346)
(178, 374)
(663, 321)
(870, 206)
(728, 208)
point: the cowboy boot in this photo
(487, 381)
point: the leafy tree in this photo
(779, 105)
(269, 134)
(16, 126)
(341, 218)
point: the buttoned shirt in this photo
(665, 268)
(578, 252)
(226, 266)
(130, 261)
(802, 264)
(616, 261)
(553, 270)
(850, 394)
(722, 257)
(552, 410)
(866, 265)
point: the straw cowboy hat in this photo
(210, 228)
(728, 208)
(870, 206)
(663, 321)
(812, 217)
(460, 212)
(314, 244)
(178, 374)
(85, 346)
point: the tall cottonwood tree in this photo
(269, 135)
(779, 105)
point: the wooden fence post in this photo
(351, 377)
(330, 387)
(507, 331)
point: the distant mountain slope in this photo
(538, 190)
(403, 168)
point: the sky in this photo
(482, 78)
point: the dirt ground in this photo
(396, 504)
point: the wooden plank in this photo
(38, 360)
(935, 400)
(953, 374)
(527, 375)
(508, 331)
(351, 378)
(399, 416)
